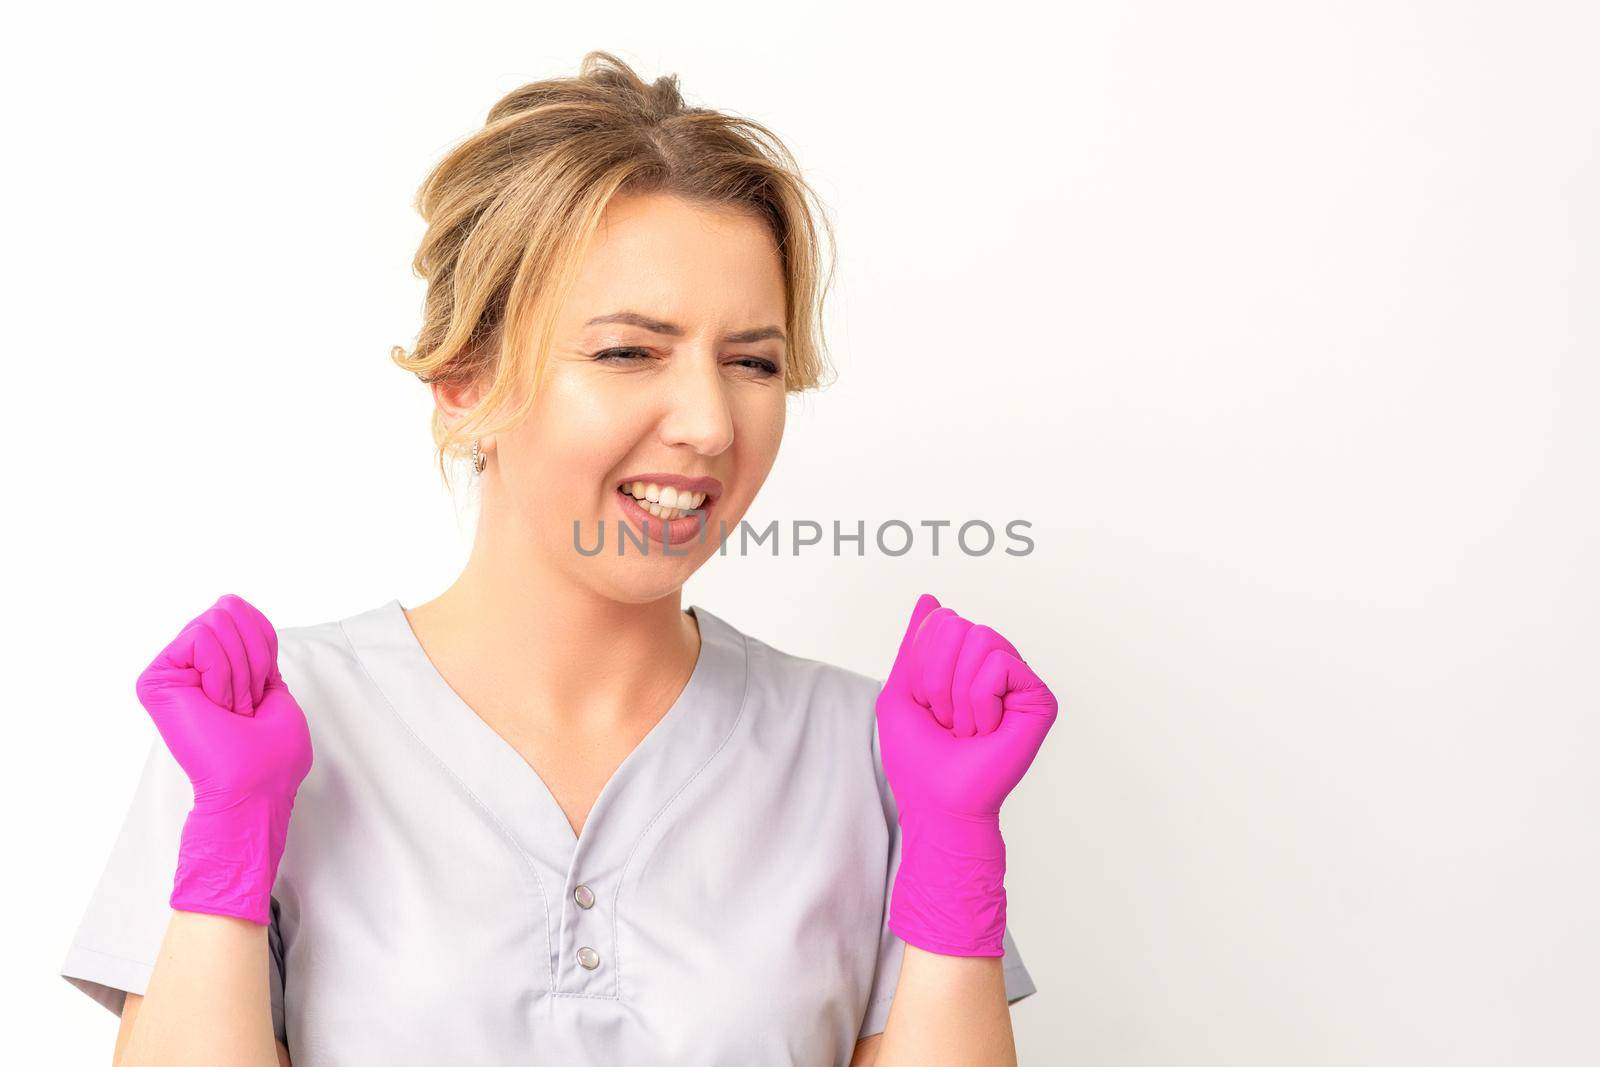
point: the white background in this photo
(1278, 321)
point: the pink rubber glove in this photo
(960, 718)
(228, 719)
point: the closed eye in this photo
(765, 367)
(620, 353)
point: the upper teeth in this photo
(665, 495)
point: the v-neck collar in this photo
(661, 765)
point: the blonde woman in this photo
(552, 816)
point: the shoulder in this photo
(820, 715)
(321, 657)
(805, 683)
(310, 646)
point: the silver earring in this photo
(479, 457)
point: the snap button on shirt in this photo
(588, 957)
(584, 896)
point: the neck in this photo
(518, 632)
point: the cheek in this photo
(758, 431)
(759, 422)
(578, 425)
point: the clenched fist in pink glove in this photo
(960, 718)
(228, 719)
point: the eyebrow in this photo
(633, 318)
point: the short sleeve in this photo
(1019, 983)
(120, 935)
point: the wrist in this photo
(228, 857)
(949, 892)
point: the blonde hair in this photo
(511, 211)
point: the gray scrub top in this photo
(725, 903)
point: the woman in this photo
(551, 815)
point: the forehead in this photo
(660, 254)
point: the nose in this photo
(698, 411)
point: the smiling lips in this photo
(663, 501)
(670, 508)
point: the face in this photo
(669, 359)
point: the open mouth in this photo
(665, 502)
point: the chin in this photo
(645, 581)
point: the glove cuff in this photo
(949, 893)
(228, 858)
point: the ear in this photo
(456, 396)
(455, 399)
